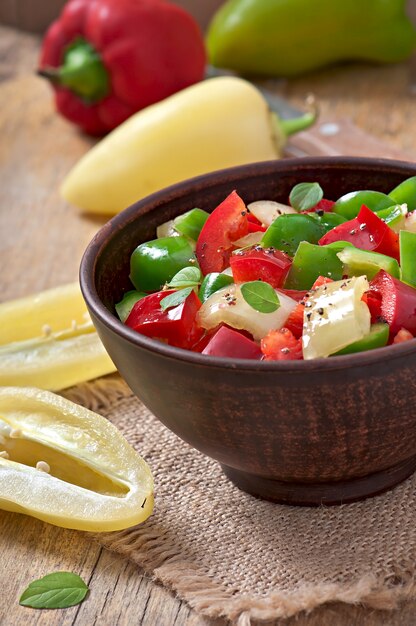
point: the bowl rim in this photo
(97, 245)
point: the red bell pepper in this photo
(227, 223)
(108, 59)
(326, 206)
(295, 294)
(397, 302)
(295, 320)
(255, 228)
(254, 225)
(176, 325)
(366, 231)
(281, 345)
(230, 343)
(402, 335)
(257, 263)
(373, 300)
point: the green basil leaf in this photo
(305, 196)
(55, 591)
(186, 277)
(260, 296)
(175, 298)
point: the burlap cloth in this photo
(231, 555)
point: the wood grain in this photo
(41, 245)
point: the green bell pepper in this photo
(289, 37)
(363, 262)
(350, 204)
(377, 338)
(190, 223)
(328, 221)
(156, 262)
(311, 261)
(211, 283)
(394, 216)
(339, 245)
(407, 242)
(405, 193)
(124, 307)
(287, 231)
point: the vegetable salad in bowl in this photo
(270, 281)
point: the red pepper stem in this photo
(51, 73)
(82, 72)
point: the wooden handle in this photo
(341, 137)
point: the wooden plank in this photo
(31, 549)
(121, 593)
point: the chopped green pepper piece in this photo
(350, 204)
(190, 223)
(377, 338)
(287, 231)
(124, 307)
(394, 216)
(211, 283)
(405, 193)
(154, 263)
(408, 257)
(339, 245)
(363, 262)
(328, 221)
(311, 261)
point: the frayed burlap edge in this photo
(167, 565)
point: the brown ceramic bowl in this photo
(303, 432)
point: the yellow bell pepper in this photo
(68, 466)
(218, 123)
(48, 340)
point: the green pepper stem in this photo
(297, 124)
(283, 128)
(82, 72)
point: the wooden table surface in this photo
(41, 245)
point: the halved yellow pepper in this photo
(68, 466)
(47, 340)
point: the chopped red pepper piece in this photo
(254, 225)
(281, 345)
(324, 205)
(255, 228)
(257, 263)
(176, 325)
(366, 231)
(402, 335)
(295, 320)
(373, 301)
(230, 343)
(397, 302)
(295, 294)
(227, 223)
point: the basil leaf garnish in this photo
(186, 277)
(174, 299)
(55, 591)
(305, 196)
(260, 296)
